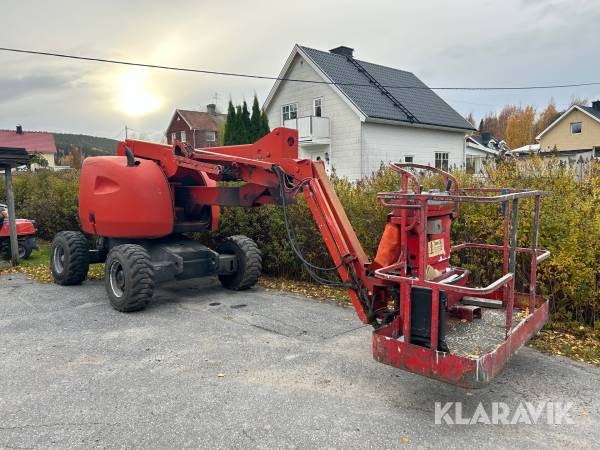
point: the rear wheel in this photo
(249, 262)
(24, 250)
(129, 277)
(69, 258)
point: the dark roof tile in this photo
(592, 111)
(422, 102)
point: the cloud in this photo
(459, 43)
(15, 88)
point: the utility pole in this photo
(125, 131)
(12, 221)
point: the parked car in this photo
(25, 232)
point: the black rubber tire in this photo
(249, 262)
(24, 250)
(131, 287)
(75, 263)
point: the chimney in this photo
(596, 105)
(211, 109)
(485, 137)
(19, 129)
(342, 50)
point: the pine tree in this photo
(239, 136)
(255, 122)
(265, 129)
(229, 129)
(246, 125)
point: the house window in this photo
(441, 160)
(317, 107)
(182, 136)
(474, 164)
(211, 136)
(575, 127)
(289, 111)
(173, 137)
(408, 159)
(596, 152)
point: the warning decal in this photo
(435, 247)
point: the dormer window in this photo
(575, 127)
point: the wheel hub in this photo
(117, 278)
(59, 259)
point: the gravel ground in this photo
(205, 367)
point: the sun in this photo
(134, 97)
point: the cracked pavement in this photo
(206, 367)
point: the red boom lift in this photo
(426, 318)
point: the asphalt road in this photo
(205, 367)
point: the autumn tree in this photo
(546, 117)
(520, 127)
(73, 159)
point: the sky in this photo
(445, 43)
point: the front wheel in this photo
(129, 277)
(249, 262)
(69, 258)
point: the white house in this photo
(480, 147)
(356, 115)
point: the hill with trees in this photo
(87, 145)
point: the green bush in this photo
(569, 227)
(49, 198)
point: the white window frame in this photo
(320, 100)
(212, 134)
(173, 137)
(291, 108)
(442, 157)
(477, 163)
(412, 158)
(580, 128)
(182, 136)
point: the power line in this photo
(265, 77)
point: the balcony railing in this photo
(310, 128)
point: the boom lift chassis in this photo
(410, 287)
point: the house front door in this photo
(317, 153)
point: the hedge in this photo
(569, 227)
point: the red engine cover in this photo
(24, 227)
(116, 200)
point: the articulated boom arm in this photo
(410, 287)
(272, 173)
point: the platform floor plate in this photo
(480, 336)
